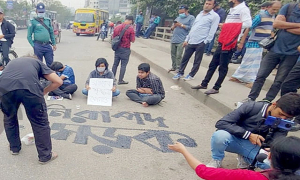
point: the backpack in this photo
(116, 41)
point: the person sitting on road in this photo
(101, 71)
(285, 163)
(243, 130)
(66, 73)
(149, 88)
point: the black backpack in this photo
(115, 43)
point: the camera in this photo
(283, 124)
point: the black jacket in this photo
(248, 118)
(8, 31)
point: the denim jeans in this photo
(222, 141)
(269, 62)
(210, 46)
(114, 94)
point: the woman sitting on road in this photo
(101, 71)
(284, 157)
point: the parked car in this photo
(14, 24)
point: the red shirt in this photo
(129, 35)
(228, 35)
(227, 174)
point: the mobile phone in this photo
(175, 22)
(283, 124)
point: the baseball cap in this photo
(183, 7)
(40, 7)
(1, 11)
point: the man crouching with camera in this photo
(244, 130)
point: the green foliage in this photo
(115, 19)
(64, 14)
(171, 6)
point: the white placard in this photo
(101, 92)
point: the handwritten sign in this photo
(101, 92)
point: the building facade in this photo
(122, 7)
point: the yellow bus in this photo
(88, 21)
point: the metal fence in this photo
(162, 33)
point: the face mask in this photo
(141, 13)
(40, 15)
(231, 4)
(182, 15)
(101, 69)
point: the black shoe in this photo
(198, 87)
(208, 54)
(122, 82)
(67, 96)
(51, 94)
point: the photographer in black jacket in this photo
(243, 130)
(7, 34)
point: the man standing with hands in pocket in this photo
(43, 42)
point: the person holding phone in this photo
(244, 130)
(181, 28)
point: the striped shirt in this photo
(153, 82)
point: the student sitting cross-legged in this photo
(101, 71)
(149, 89)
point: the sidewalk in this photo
(157, 54)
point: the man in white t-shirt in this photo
(7, 34)
(237, 20)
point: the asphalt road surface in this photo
(124, 141)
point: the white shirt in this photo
(240, 14)
(1, 33)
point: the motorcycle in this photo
(102, 33)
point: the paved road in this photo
(125, 141)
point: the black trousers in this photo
(64, 90)
(121, 54)
(5, 51)
(189, 51)
(221, 59)
(36, 111)
(269, 62)
(292, 81)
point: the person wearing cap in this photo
(139, 23)
(123, 52)
(43, 41)
(202, 32)
(181, 27)
(101, 71)
(7, 34)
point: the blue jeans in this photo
(138, 29)
(150, 30)
(209, 46)
(44, 50)
(222, 141)
(114, 94)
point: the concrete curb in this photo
(205, 64)
(210, 101)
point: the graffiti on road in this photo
(110, 138)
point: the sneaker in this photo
(14, 153)
(122, 82)
(242, 164)
(208, 53)
(188, 78)
(247, 100)
(214, 164)
(177, 76)
(67, 96)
